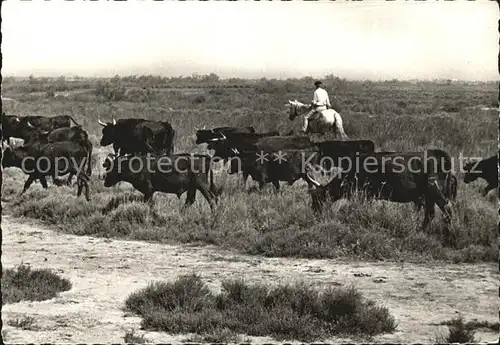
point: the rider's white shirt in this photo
(320, 97)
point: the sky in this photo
(369, 39)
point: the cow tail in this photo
(172, 140)
(211, 177)
(454, 187)
(448, 186)
(76, 123)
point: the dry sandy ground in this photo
(104, 272)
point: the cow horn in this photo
(308, 178)
(222, 136)
(235, 151)
(101, 123)
(17, 119)
(30, 125)
(114, 121)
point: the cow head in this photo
(471, 171)
(208, 136)
(113, 166)
(12, 157)
(217, 141)
(108, 132)
(320, 194)
(203, 135)
(7, 157)
(10, 125)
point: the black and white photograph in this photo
(250, 171)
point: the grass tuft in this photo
(458, 332)
(26, 284)
(132, 338)
(285, 312)
(26, 323)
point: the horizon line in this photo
(201, 75)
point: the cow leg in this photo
(435, 196)
(261, 185)
(80, 187)
(429, 205)
(276, 184)
(57, 182)
(244, 181)
(148, 196)
(191, 197)
(487, 189)
(43, 182)
(29, 181)
(68, 181)
(418, 205)
(441, 201)
(87, 191)
(208, 195)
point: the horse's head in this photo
(295, 109)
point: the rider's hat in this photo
(318, 83)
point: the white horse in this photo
(322, 122)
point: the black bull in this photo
(60, 134)
(399, 177)
(486, 169)
(52, 159)
(131, 136)
(75, 134)
(174, 174)
(208, 135)
(276, 159)
(23, 127)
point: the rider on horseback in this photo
(319, 103)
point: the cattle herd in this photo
(426, 178)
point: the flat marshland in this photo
(395, 115)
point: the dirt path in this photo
(104, 272)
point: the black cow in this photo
(10, 126)
(76, 134)
(52, 159)
(273, 167)
(228, 145)
(402, 178)
(285, 158)
(44, 123)
(138, 136)
(207, 135)
(174, 174)
(486, 169)
(23, 127)
(59, 134)
(28, 125)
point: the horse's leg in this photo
(339, 125)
